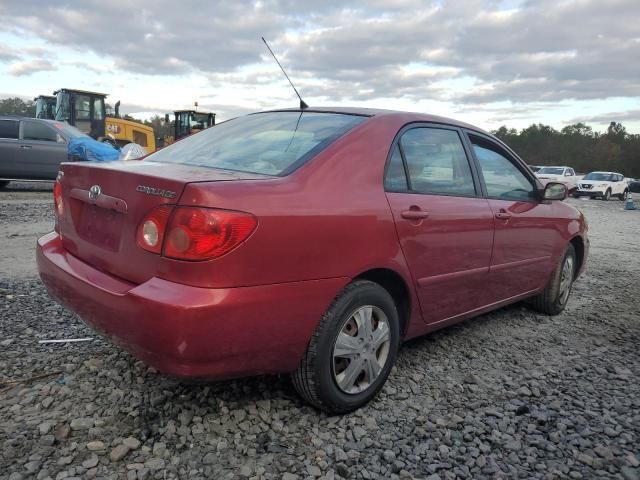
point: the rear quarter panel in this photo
(330, 218)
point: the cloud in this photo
(475, 52)
(8, 54)
(28, 67)
(606, 118)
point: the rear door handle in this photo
(503, 215)
(25, 146)
(414, 214)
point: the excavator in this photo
(86, 111)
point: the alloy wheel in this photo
(566, 279)
(361, 349)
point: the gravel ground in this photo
(511, 394)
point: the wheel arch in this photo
(578, 247)
(397, 287)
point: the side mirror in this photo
(555, 191)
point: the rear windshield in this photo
(603, 177)
(273, 143)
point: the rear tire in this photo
(346, 364)
(555, 296)
(4, 183)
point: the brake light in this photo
(204, 233)
(151, 230)
(57, 198)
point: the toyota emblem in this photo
(94, 192)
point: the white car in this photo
(566, 175)
(604, 185)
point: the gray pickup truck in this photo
(32, 148)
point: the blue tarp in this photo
(88, 149)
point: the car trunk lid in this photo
(105, 203)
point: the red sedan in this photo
(307, 241)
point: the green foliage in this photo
(17, 106)
(577, 146)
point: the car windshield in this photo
(604, 177)
(68, 131)
(551, 170)
(272, 143)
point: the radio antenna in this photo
(303, 105)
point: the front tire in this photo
(607, 195)
(623, 195)
(3, 184)
(352, 351)
(555, 296)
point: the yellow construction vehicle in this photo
(45, 107)
(186, 122)
(86, 111)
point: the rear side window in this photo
(9, 129)
(39, 131)
(395, 179)
(436, 162)
(273, 143)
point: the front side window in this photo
(502, 178)
(272, 143)
(39, 131)
(9, 129)
(436, 162)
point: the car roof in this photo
(86, 92)
(554, 166)
(18, 118)
(608, 173)
(379, 112)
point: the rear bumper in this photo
(190, 331)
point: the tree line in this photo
(576, 145)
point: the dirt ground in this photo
(510, 394)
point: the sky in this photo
(486, 62)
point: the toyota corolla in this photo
(309, 241)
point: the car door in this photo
(444, 226)
(9, 148)
(525, 230)
(42, 150)
(619, 184)
(570, 177)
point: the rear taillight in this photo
(57, 197)
(151, 229)
(194, 233)
(205, 233)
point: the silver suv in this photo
(33, 148)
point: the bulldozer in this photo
(86, 111)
